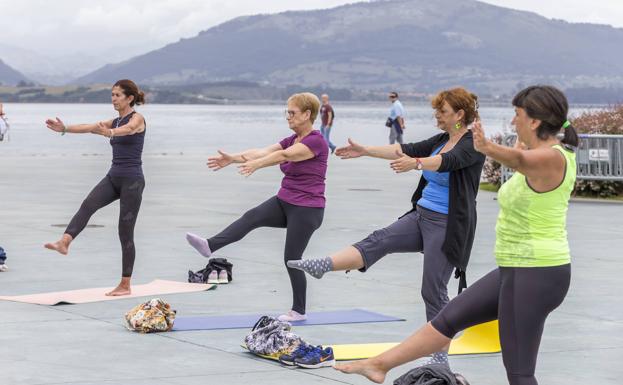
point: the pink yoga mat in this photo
(155, 287)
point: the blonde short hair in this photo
(306, 101)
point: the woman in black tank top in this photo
(124, 180)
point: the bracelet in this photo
(64, 130)
(112, 133)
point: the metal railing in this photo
(598, 157)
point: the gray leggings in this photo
(300, 222)
(521, 298)
(424, 231)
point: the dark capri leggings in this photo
(521, 298)
(300, 222)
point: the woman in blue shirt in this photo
(442, 222)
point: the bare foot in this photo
(59, 246)
(62, 245)
(366, 368)
(119, 291)
(122, 289)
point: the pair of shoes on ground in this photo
(219, 277)
(3, 267)
(309, 357)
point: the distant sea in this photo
(202, 129)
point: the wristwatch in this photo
(418, 164)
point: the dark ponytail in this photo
(549, 105)
(571, 136)
(130, 88)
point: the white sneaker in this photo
(213, 277)
(292, 316)
(4, 267)
(222, 277)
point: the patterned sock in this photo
(314, 267)
(439, 358)
(200, 244)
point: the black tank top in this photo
(127, 151)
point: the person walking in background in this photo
(326, 120)
(4, 124)
(396, 120)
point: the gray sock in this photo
(314, 267)
(439, 358)
(200, 244)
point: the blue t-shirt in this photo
(436, 194)
(396, 110)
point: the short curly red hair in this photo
(459, 99)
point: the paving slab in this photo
(87, 344)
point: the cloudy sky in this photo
(121, 29)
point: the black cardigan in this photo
(465, 165)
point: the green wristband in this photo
(64, 130)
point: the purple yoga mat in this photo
(247, 321)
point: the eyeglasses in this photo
(290, 113)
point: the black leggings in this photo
(301, 222)
(129, 190)
(521, 298)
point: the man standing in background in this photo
(396, 121)
(326, 117)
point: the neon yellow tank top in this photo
(531, 227)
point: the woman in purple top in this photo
(299, 204)
(124, 180)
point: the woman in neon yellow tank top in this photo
(531, 246)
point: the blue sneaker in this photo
(316, 358)
(299, 352)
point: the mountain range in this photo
(400, 43)
(10, 76)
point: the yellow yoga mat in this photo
(348, 352)
(360, 351)
(479, 339)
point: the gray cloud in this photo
(97, 32)
(96, 26)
